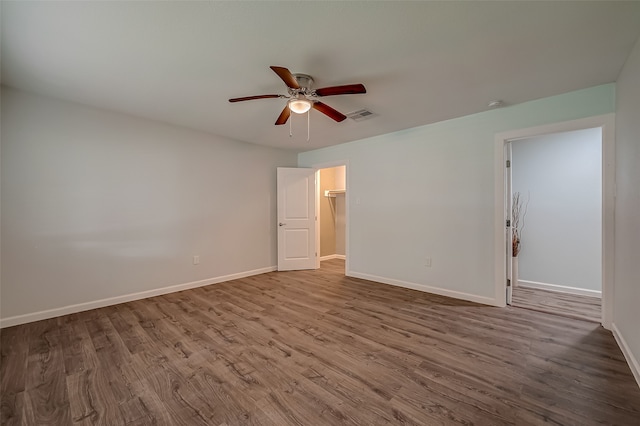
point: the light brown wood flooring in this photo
(570, 305)
(313, 348)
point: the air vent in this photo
(361, 115)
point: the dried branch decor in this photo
(518, 214)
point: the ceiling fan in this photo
(302, 97)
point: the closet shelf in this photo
(331, 193)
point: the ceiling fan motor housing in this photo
(305, 82)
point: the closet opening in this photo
(332, 217)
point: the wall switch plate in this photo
(196, 260)
(427, 262)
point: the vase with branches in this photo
(518, 215)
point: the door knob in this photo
(281, 224)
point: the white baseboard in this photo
(71, 309)
(333, 256)
(560, 288)
(427, 289)
(626, 351)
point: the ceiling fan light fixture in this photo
(299, 105)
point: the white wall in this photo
(627, 212)
(340, 177)
(429, 192)
(97, 205)
(561, 175)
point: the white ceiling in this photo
(421, 62)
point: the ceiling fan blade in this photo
(329, 112)
(286, 76)
(284, 115)
(349, 89)
(249, 98)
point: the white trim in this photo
(71, 309)
(318, 219)
(499, 220)
(634, 365)
(426, 288)
(560, 288)
(607, 123)
(333, 256)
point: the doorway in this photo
(332, 216)
(300, 194)
(503, 241)
(556, 193)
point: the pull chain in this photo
(308, 125)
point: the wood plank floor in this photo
(313, 348)
(553, 302)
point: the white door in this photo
(296, 219)
(508, 213)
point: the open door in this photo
(509, 231)
(296, 219)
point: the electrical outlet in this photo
(427, 262)
(196, 260)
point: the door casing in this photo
(607, 123)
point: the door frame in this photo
(329, 165)
(607, 123)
